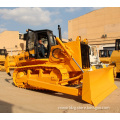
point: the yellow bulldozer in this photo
(64, 68)
(112, 58)
(104, 56)
(3, 52)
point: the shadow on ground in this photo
(53, 93)
(8, 80)
(5, 107)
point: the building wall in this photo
(94, 25)
(10, 41)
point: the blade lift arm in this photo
(68, 53)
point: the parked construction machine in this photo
(64, 68)
(3, 53)
(2, 59)
(104, 56)
(115, 58)
(112, 58)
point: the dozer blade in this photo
(97, 85)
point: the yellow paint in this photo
(104, 66)
(97, 85)
(106, 60)
(93, 67)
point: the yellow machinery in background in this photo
(112, 57)
(104, 56)
(3, 52)
(115, 58)
(65, 68)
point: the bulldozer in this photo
(112, 58)
(104, 56)
(65, 68)
(115, 58)
(3, 54)
(2, 59)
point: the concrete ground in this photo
(18, 100)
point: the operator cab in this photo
(105, 53)
(32, 42)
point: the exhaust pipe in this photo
(59, 30)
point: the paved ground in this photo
(18, 100)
